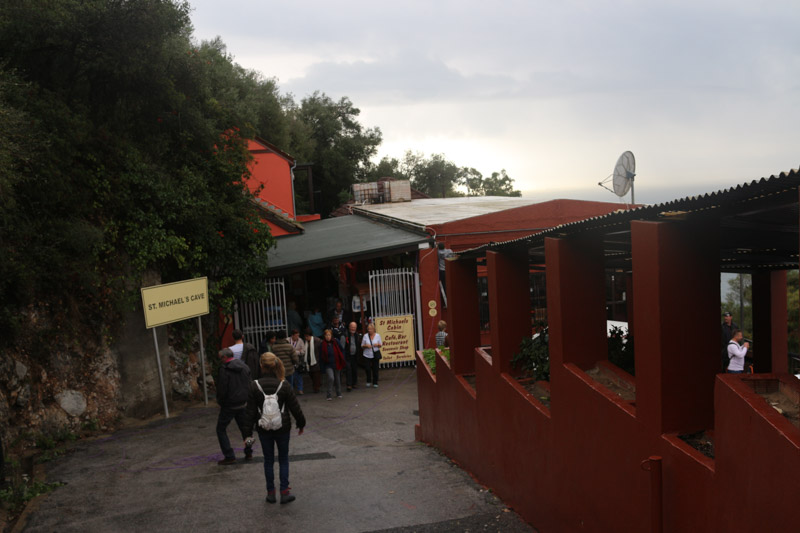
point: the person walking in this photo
(283, 349)
(273, 382)
(233, 384)
(371, 345)
(238, 343)
(316, 322)
(299, 347)
(352, 352)
(313, 349)
(333, 362)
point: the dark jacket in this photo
(233, 384)
(339, 361)
(283, 349)
(252, 359)
(346, 344)
(317, 352)
(286, 398)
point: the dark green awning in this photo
(340, 240)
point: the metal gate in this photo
(259, 317)
(395, 292)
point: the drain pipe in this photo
(653, 465)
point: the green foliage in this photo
(533, 357)
(620, 349)
(23, 490)
(731, 301)
(122, 149)
(440, 178)
(49, 440)
(429, 354)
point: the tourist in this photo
(283, 349)
(316, 323)
(338, 331)
(233, 384)
(736, 353)
(266, 343)
(238, 344)
(313, 349)
(299, 347)
(332, 362)
(728, 325)
(441, 335)
(272, 382)
(339, 313)
(352, 353)
(371, 345)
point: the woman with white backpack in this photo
(266, 409)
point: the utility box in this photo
(398, 191)
(365, 193)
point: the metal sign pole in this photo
(160, 375)
(202, 360)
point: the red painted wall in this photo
(273, 173)
(577, 466)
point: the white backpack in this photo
(271, 417)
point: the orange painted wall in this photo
(274, 173)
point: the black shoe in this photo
(248, 456)
(227, 461)
(287, 498)
(271, 497)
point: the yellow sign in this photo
(397, 334)
(172, 302)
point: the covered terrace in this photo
(577, 463)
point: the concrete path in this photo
(357, 468)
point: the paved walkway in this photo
(357, 468)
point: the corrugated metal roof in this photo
(726, 201)
(338, 240)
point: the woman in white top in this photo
(370, 344)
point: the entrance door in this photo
(395, 293)
(260, 317)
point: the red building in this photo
(603, 450)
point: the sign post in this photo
(173, 302)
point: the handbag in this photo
(376, 354)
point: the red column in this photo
(770, 319)
(509, 306)
(429, 292)
(464, 325)
(576, 302)
(676, 303)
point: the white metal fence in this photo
(395, 292)
(260, 317)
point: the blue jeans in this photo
(268, 441)
(296, 380)
(735, 371)
(225, 416)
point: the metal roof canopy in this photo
(338, 240)
(758, 226)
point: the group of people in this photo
(734, 346)
(249, 376)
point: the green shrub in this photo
(620, 349)
(429, 355)
(533, 357)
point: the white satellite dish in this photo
(622, 178)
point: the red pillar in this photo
(464, 325)
(509, 306)
(576, 296)
(770, 319)
(429, 292)
(676, 302)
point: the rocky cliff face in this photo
(88, 386)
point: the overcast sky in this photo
(705, 94)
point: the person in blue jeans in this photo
(299, 347)
(272, 376)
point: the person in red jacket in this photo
(332, 362)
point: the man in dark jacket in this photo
(233, 387)
(251, 358)
(351, 346)
(283, 349)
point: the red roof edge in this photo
(274, 149)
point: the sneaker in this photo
(271, 497)
(330, 399)
(300, 392)
(248, 456)
(287, 497)
(340, 396)
(369, 385)
(376, 385)
(227, 461)
(349, 389)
